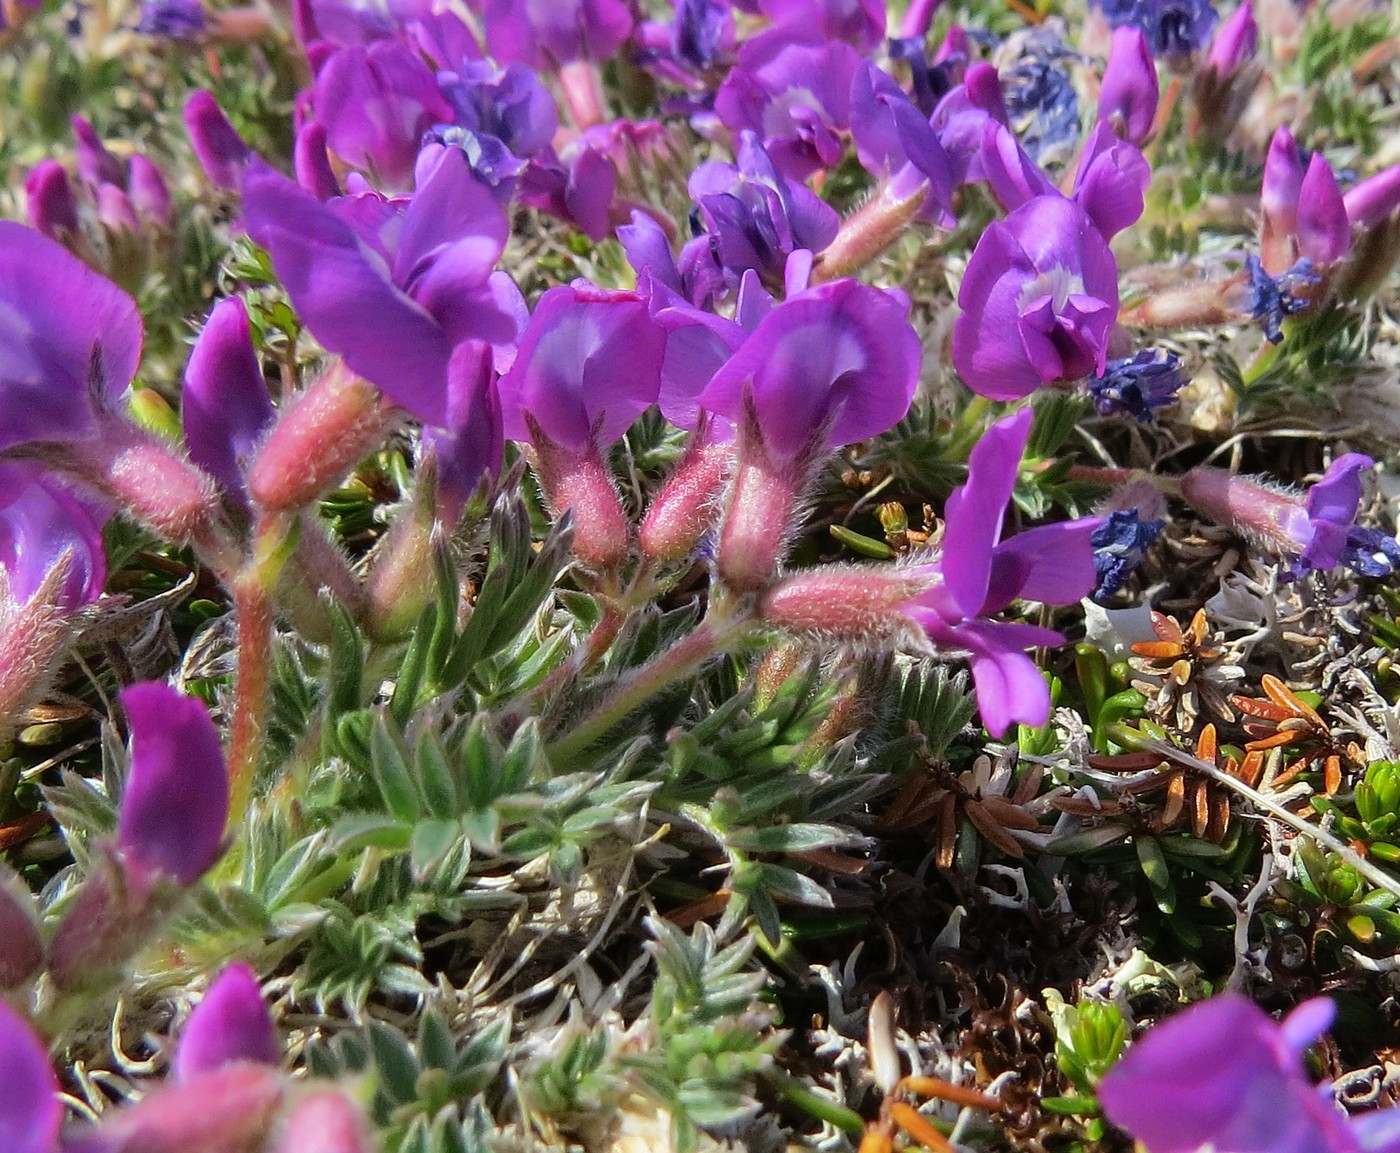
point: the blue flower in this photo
(1271, 298)
(1174, 28)
(1041, 104)
(1138, 384)
(1370, 552)
(1119, 544)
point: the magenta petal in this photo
(1053, 564)
(176, 799)
(840, 358)
(230, 1024)
(376, 103)
(41, 521)
(49, 204)
(1219, 1075)
(987, 351)
(221, 152)
(1374, 199)
(1324, 232)
(1014, 177)
(975, 510)
(225, 408)
(59, 323)
(343, 292)
(588, 365)
(1010, 687)
(1337, 495)
(30, 1111)
(453, 234)
(1302, 1027)
(1111, 182)
(1129, 91)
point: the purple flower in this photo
(176, 799)
(1038, 301)
(965, 120)
(230, 1024)
(588, 365)
(1303, 214)
(70, 341)
(393, 286)
(173, 19)
(509, 105)
(221, 152)
(1223, 1075)
(704, 33)
(544, 34)
(50, 206)
(577, 187)
(340, 23)
(697, 277)
(225, 408)
(471, 442)
(698, 344)
(895, 140)
(792, 87)
(755, 216)
(1316, 531)
(43, 524)
(860, 23)
(1235, 42)
(831, 365)
(1128, 96)
(1138, 384)
(30, 1109)
(1111, 181)
(376, 102)
(978, 575)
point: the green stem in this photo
(713, 636)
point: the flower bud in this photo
(230, 1024)
(221, 152)
(152, 481)
(1324, 233)
(1128, 96)
(50, 206)
(324, 1121)
(329, 428)
(1373, 200)
(1235, 43)
(1278, 203)
(401, 576)
(225, 407)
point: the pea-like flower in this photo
(1038, 300)
(1224, 1075)
(947, 603)
(793, 88)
